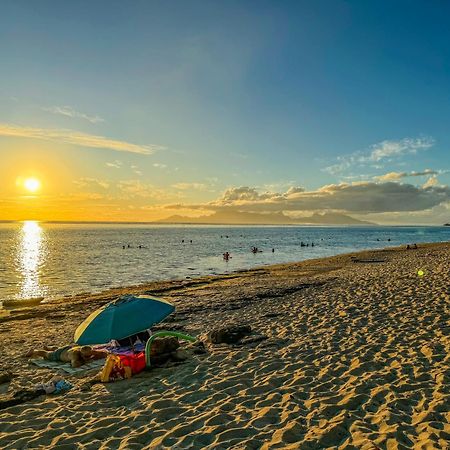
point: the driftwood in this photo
(369, 260)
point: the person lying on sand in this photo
(74, 354)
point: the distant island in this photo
(446, 224)
(246, 218)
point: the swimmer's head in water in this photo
(420, 273)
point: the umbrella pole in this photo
(176, 334)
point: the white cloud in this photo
(80, 196)
(159, 165)
(294, 190)
(83, 182)
(340, 167)
(378, 153)
(138, 189)
(358, 197)
(76, 138)
(389, 149)
(192, 186)
(70, 112)
(115, 164)
(432, 181)
(392, 176)
(245, 194)
(136, 170)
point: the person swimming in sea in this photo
(76, 355)
(226, 256)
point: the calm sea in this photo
(53, 260)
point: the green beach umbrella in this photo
(122, 318)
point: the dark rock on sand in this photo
(164, 345)
(163, 349)
(180, 355)
(21, 396)
(229, 335)
(256, 339)
(6, 377)
(198, 348)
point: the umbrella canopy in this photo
(122, 318)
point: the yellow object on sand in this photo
(114, 370)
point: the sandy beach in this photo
(356, 357)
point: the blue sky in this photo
(225, 95)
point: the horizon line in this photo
(106, 222)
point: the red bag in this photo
(136, 362)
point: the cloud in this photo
(80, 196)
(76, 138)
(83, 182)
(377, 153)
(139, 189)
(389, 149)
(250, 194)
(70, 112)
(116, 164)
(392, 176)
(294, 190)
(159, 165)
(136, 170)
(136, 188)
(188, 186)
(432, 181)
(358, 197)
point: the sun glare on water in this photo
(32, 184)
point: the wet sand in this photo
(356, 357)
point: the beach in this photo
(355, 357)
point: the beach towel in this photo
(121, 350)
(97, 364)
(134, 356)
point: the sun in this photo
(32, 184)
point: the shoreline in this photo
(355, 356)
(15, 304)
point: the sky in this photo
(139, 110)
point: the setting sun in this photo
(32, 184)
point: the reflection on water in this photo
(31, 254)
(54, 260)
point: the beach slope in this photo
(356, 357)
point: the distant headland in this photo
(247, 218)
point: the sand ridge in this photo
(356, 358)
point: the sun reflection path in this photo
(31, 256)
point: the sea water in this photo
(53, 260)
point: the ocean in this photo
(54, 260)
